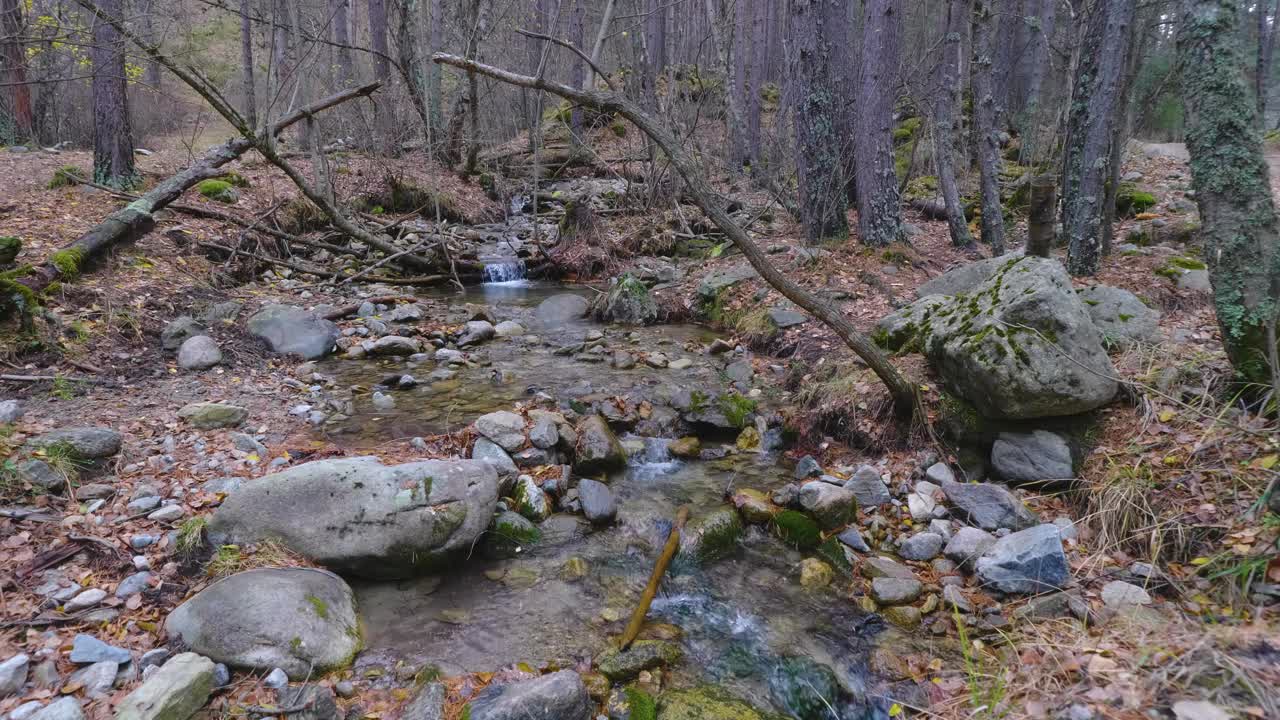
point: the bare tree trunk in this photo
(902, 390)
(598, 47)
(822, 196)
(946, 102)
(758, 56)
(1266, 45)
(1097, 90)
(480, 27)
(837, 27)
(147, 13)
(720, 22)
(435, 89)
(341, 35)
(384, 121)
(1120, 133)
(15, 65)
(986, 119)
(740, 59)
(246, 62)
(577, 68)
(415, 78)
(1038, 63)
(1233, 189)
(879, 211)
(112, 134)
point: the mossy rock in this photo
(623, 665)
(1130, 200)
(708, 703)
(9, 249)
(712, 537)
(924, 187)
(66, 176)
(236, 180)
(836, 554)
(797, 529)
(805, 688)
(218, 191)
(509, 534)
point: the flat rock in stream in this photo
(358, 516)
(300, 620)
(560, 309)
(291, 330)
(557, 696)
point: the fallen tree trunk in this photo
(902, 390)
(138, 217)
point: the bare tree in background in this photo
(879, 211)
(15, 66)
(756, 57)
(384, 119)
(987, 110)
(1099, 77)
(577, 68)
(146, 13)
(1038, 61)
(246, 63)
(112, 133)
(724, 36)
(822, 195)
(342, 36)
(1266, 48)
(946, 102)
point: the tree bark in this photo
(598, 47)
(879, 211)
(1233, 189)
(246, 62)
(147, 13)
(757, 57)
(987, 110)
(15, 65)
(577, 68)
(435, 89)
(112, 134)
(1038, 66)
(822, 196)
(900, 388)
(383, 119)
(480, 28)
(1097, 90)
(1266, 45)
(720, 22)
(946, 103)
(415, 78)
(341, 35)
(1041, 215)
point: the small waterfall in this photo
(504, 272)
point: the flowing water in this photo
(745, 622)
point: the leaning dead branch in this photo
(903, 391)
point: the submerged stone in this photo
(623, 665)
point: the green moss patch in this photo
(797, 529)
(66, 176)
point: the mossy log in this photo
(138, 217)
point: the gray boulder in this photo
(88, 443)
(598, 449)
(962, 279)
(629, 303)
(560, 309)
(428, 704)
(86, 649)
(199, 352)
(989, 506)
(1121, 316)
(830, 505)
(1031, 457)
(488, 451)
(174, 692)
(64, 708)
(895, 591)
(967, 545)
(904, 326)
(1020, 345)
(717, 280)
(598, 502)
(922, 546)
(10, 411)
(867, 488)
(213, 415)
(178, 331)
(363, 517)
(292, 330)
(557, 696)
(476, 332)
(1028, 561)
(504, 428)
(300, 620)
(40, 474)
(13, 674)
(394, 345)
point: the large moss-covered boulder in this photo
(1019, 345)
(300, 620)
(358, 516)
(1120, 315)
(629, 303)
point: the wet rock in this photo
(530, 500)
(625, 665)
(740, 371)
(199, 352)
(830, 505)
(557, 696)
(895, 591)
(174, 692)
(922, 546)
(989, 506)
(1121, 316)
(428, 704)
(597, 450)
(707, 703)
(967, 545)
(363, 517)
(300, 620)
(88, 443)
(13, 674)
(815, 574)
(393, 346)
(293, 331)
(805, 688)
(1031, 457)
(711, 537)
(685, 447)
(680, 363)
(754, 506)
(511, 533)
(178, 331)
(807, 468)
(476, 332)
(904, 616)
(598, 503)
(213, 415)
(629, 303)
(867, 488)
(504, 428)
(560, 309)
(1028, 561)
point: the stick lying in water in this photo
(655, 579)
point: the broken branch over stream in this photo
(903, 391)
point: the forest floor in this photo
(1173, 478)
